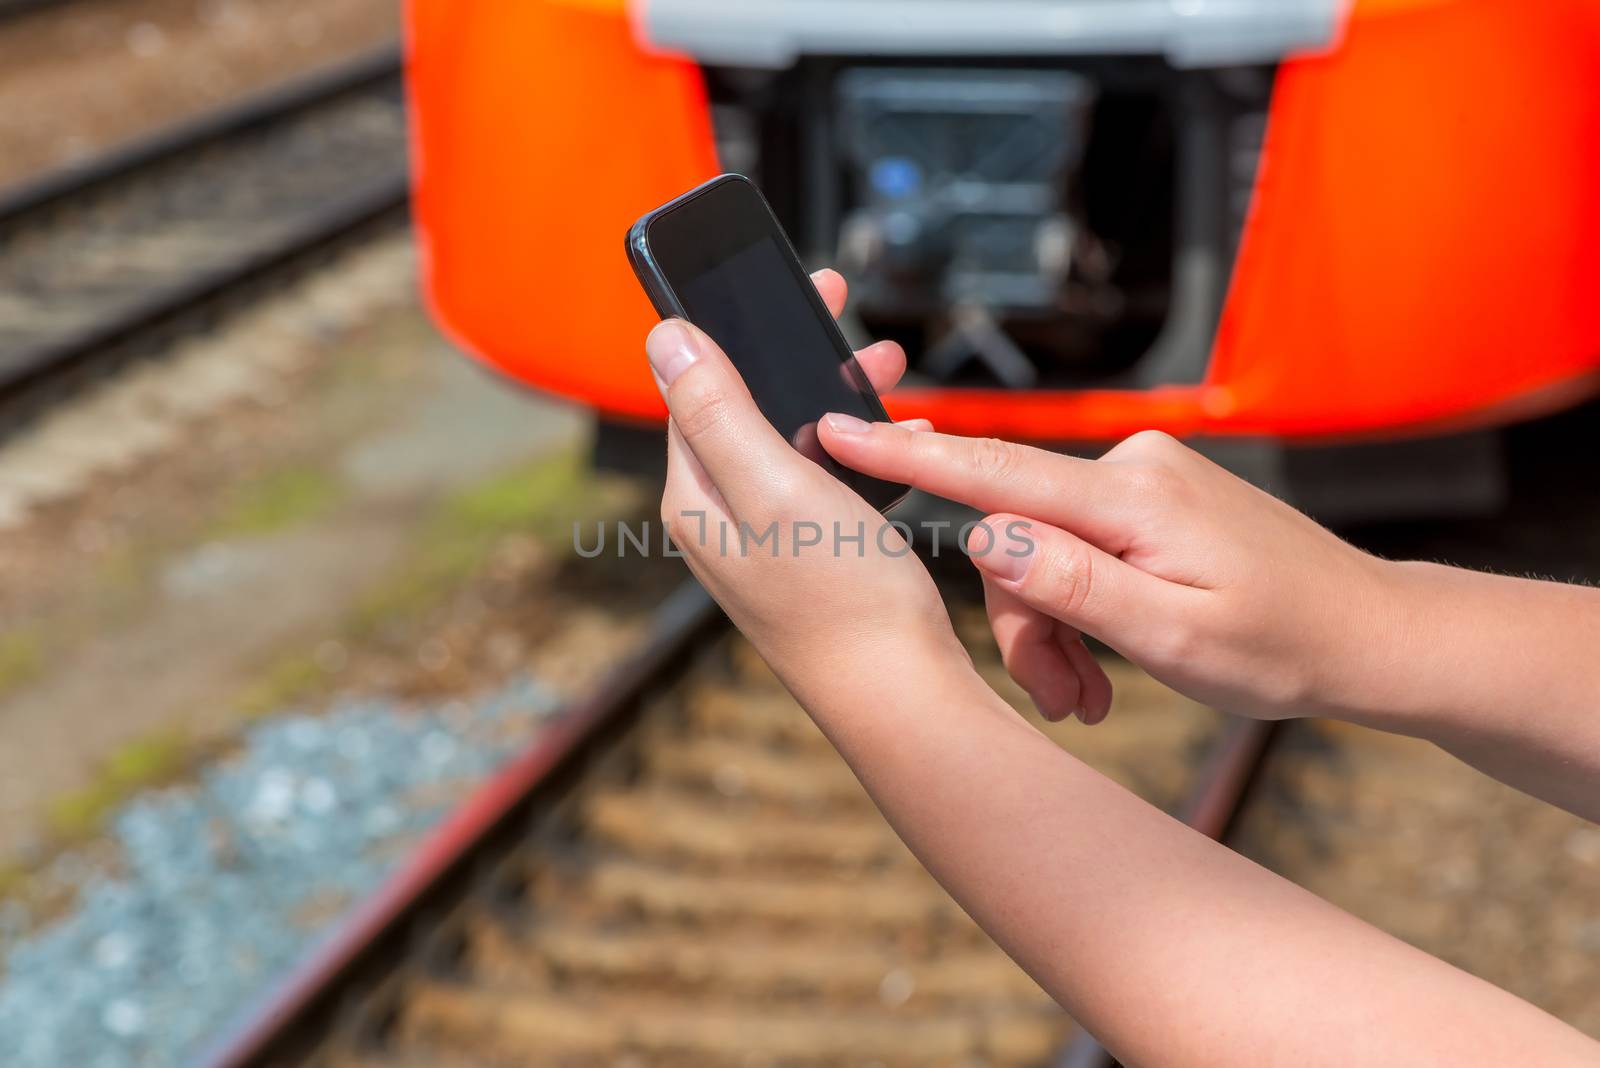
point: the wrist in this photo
(1434, 665)
(904, 680)
(1381, 643)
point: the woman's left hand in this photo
(811, 573)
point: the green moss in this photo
(149, 760)
(402, 596)
(277, 501)
(289, 680)
(21, 659)
(138, 765)
(121, 572)
(541, 499)
(165, 756)
(13, 880)
(79, 815)
(530, 497)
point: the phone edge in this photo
(667, 305)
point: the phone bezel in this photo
(690, 233)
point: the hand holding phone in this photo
(718, 257)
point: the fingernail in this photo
(672, 349)
(997, 557)
(840, 423)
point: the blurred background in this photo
(321, 741)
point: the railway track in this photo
(682, 871)
(685, 872)
(15, 9)
(104, 261)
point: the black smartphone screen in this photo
(718, 257)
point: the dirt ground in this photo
(96, 72)
(380, 514)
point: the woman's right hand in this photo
(1211, 585)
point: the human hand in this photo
(1214, 587)
(836, 607)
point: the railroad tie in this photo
(733, 899)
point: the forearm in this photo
(1172, 949)
(1502, 672)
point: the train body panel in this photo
(540, 132)
(1425, 246)
(1417, 246)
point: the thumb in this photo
(1085, 587)
(712, 409)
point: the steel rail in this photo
(19, 202)
(16, 9)
(306, 1001)
(29, 372)
(330, 227)
(498, 809)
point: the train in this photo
(1338, 244)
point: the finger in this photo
(832, 288)
(1094, 693)
(884, 362)
(738, 449)
(1028, 646)
(689, 488)
(1093, 500)
(1067, 578)
(916, 425)
(691, 507)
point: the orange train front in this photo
(1267, 224)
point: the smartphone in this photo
(718, 257)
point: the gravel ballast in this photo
(228, 881)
